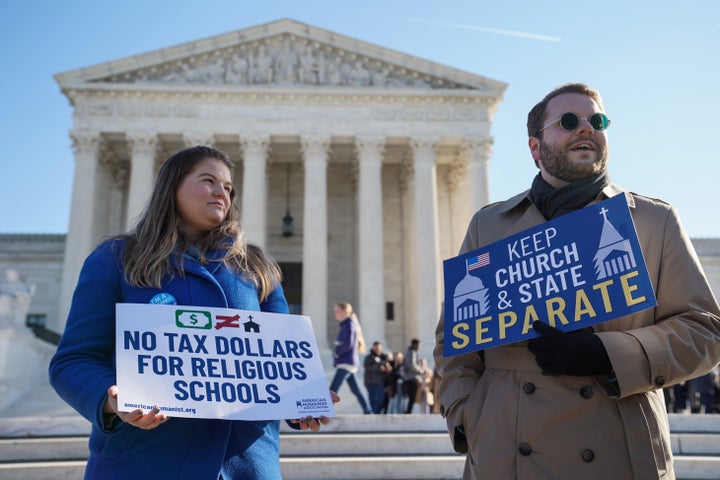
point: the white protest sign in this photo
(202, 362)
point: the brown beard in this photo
(554, 160)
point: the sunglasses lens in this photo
(599, 121)
(569, 121)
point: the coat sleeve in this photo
(347, 338)
(681, 339)
(275, 302)
(459, 374)
(370, 364)
(83, 366)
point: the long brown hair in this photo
(158, 232)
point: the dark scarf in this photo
(553, 202)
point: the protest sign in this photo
(203, 362)
(572, 272)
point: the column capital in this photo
(119, 169)
(255, 144)
(407, 170)
(423, 144)
(191, 139)
(424, 150)
(457, 170)
(370, 144)
(142, 142)
(477, 149)
(315, 147)
(369, 151)
(86, 142)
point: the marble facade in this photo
(380, 158)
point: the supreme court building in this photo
(357, 167)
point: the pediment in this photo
(284, 53)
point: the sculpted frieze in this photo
(284, 60)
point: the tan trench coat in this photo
(520, 424)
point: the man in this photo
(585, 404)
(377, 367)
(413, 372)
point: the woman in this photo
(187, 249)
(349, 344)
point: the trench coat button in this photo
(529, 388)
(587, 455)
(525, 449)
(659, 381)
(586, 392)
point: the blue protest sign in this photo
(572, 272)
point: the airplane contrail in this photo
(533, 36)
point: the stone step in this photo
(59, 470)
(327, 444)
(336, 444)
(74, 425)
(385, 467)
(39, 449)
(347, 468)
(351, 447)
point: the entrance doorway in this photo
(292, 286)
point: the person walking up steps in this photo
(349, 344)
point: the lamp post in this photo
(287, 221)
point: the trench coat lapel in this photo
(529, 218)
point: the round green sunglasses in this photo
(570, 121)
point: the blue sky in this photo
(655, 63)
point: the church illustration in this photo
(614, 253)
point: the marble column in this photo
(371, 290)
(459, 203)
(110, 194)
(315, 151)
(477, 153)
(425, 232)
(143, 146)
(81, 237)
(117, 214)
(254, 188)
(406, 183)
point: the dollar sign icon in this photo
(193, 319)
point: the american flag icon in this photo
(478, 261)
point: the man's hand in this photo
(577, 353)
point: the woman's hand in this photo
(314, 424)
(136, 418)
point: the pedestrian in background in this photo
(413, 374)
(376, 368)
(348, 346)
(395, 384)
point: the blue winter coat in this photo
(182, 448)
(346, 345)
